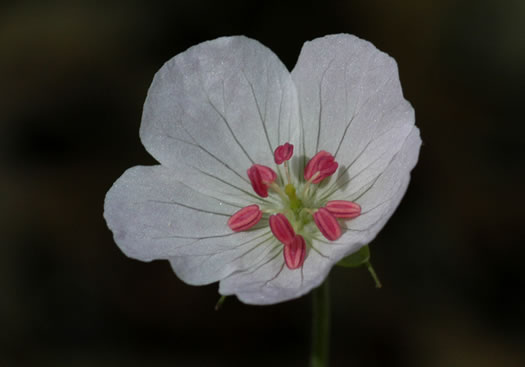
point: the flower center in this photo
(299, 217)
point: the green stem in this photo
(320, 326)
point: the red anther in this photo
(261, 176)
(283, 153)
(294, 252)
(327, 224)
(281, 228)
(343, 209)
(245, 218)
(324, 163)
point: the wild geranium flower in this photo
(266, 178)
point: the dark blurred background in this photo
(73, 78)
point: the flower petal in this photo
(209, 262)
(378, 202)
(154, 216)
(272, 282)
(380, 199)
(218, 108)
(352, 105)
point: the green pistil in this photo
(295, 203)
(296, 213)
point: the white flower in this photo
(215, 116)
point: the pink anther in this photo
(281, 228)
(322, 165)
(327, 224)
(261, 176)
(245, 218)
(294, 252)
(283, 153)
(343, 209)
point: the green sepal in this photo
(360, 258)
(357, 259)
(219, 303)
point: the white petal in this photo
(217, 108)
(272, 282)
(352, 106)
(154, 216)
(378, 202)
(210, 260)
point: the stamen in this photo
(278, 190)
(343, 209)
(287, 171)
(323, 163)
(245, 218)
(283, 153)
(294, 252)
(327, 224)
(261, 177)
(281, 228)
(309, 182)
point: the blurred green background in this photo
(73, 78)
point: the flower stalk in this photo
(320, 325)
